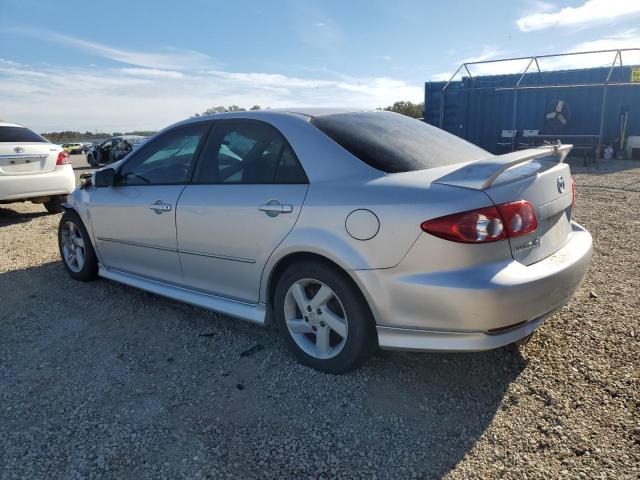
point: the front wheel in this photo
(323, 317)
(92, 161)
(76, 249)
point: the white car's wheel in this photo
(54, 205)
(323, 318)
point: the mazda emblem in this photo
(18, 149)
(561, 185)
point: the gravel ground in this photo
(102, 380)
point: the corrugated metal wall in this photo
(479, 112)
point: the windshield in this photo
(395, 143)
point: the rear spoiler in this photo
(480, 174)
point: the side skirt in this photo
(255, 313)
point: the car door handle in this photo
(160, 207)
(274, 208)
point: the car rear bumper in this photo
(60, 181)
(477, 308)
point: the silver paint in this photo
(218, 245)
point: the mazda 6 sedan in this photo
(351, 231)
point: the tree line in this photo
(410, 109)
(70, 136)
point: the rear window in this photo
(396, 143)
(19, 135)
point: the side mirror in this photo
(105, 178)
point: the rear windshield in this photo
(19, 135)
(396, 143)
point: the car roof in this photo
(309, 112)
(321, 111)
(3, 124)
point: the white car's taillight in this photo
(63, 158)
(573, 193)
(488, 224)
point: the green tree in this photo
(407, 108)
(230, 108)
(218, 109)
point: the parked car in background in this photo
(350, 230)
(83, 148)
(72, 148)
(32, 168)
(112, 149)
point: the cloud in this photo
(488, 52)
(152, 73)
(124, 99)
(315, 28)
(625, 39)
(590, 13)
(440, 76)
(171, 58)
(157, 89)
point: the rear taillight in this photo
(573, 193)
(485, 224)
(63, 158)
(519, 218)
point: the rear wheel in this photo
(76, 249)
(54, 205)
(91, 160)
(323, 318)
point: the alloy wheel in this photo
(73, 249)
(315, 318)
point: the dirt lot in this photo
(101, 380)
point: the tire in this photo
(73, 236)
(54, 205)
(91, 161)
(335, 336)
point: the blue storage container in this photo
(479, 109)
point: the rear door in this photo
(248, 194)
(24, 152)
(134, 221)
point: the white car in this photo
(34, 169)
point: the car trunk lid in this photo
(27, 158)
(535, 175)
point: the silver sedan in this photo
(348, 230)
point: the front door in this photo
(134, 222)
(246, 198)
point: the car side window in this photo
(166, 160)
(249, 152)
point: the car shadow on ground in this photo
(187, 383)
(11, 217)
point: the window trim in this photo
(196, 155)
(213, 135)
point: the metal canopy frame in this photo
(534, 60)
